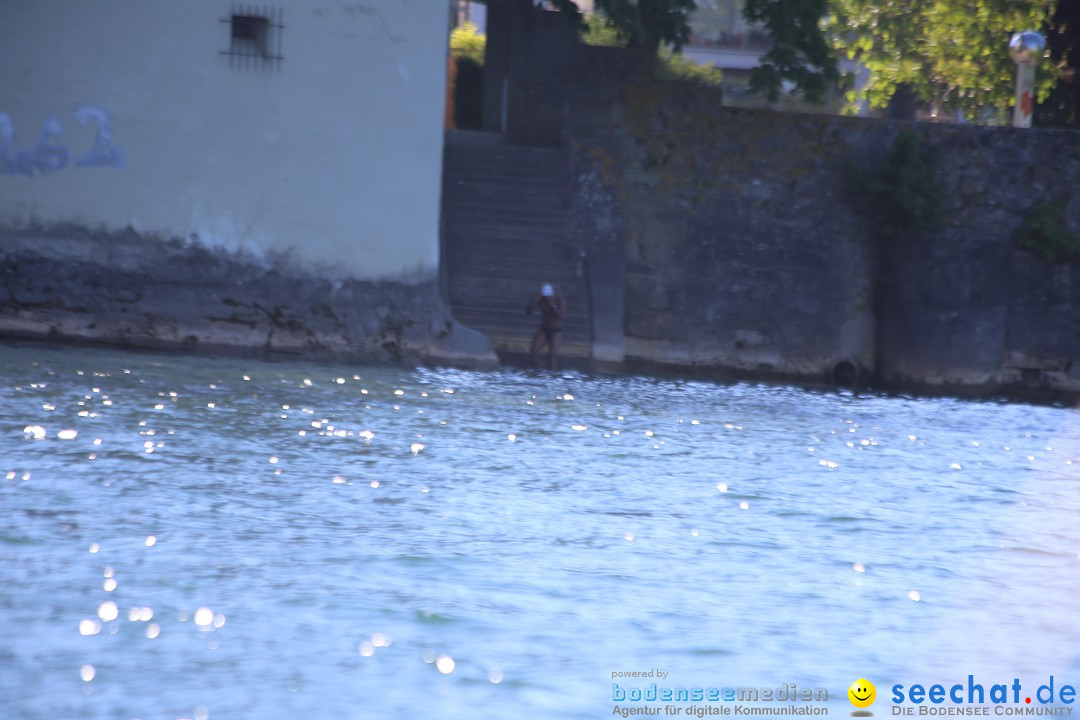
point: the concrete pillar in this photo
(496, 64)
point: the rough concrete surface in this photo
(72, 283)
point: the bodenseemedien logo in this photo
(862, 694)
(700, 701)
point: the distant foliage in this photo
(1045, 231)
(649, 24)
(952, 54)
(671, 66)
(903, 196)
(468, 43)
(598, 31)
(800, 52)
(1062, 107)
(679, 68)
(569, 7)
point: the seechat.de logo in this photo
(862, 694)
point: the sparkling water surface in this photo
(221, 538)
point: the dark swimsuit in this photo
(548, 314)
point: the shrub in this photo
(467, 42)
(679, 68)
(1045, 231)
(598, 31)
(902, 196)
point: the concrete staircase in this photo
(505, 231)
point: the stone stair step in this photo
(516, 321)
(531, 263)
(505, 230)
(518, 173)
(470, 279)
(482, 202)
(493, 287)
(497, 218)
(507, 154)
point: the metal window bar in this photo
(255, 36)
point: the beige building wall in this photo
(129, 113)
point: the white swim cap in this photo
(546, 290)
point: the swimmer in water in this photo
(552, 314)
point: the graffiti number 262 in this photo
(49, 155)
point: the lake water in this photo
(207, 538)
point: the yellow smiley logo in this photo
(862, 693)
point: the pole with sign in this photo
(1026, 49)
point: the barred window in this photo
(255, 34)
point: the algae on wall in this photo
(745, 249)
(733, 246)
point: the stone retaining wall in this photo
(745, 250)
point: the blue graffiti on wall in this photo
(49, 155)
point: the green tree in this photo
(648, 24)
(952, 54)
(1062, 108)
(800, 53)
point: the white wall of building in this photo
(331, 156)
